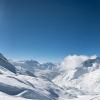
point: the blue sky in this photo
(48, 30)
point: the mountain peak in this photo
(2, 56)
(89, 62)
(6, 64)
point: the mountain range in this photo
(77, 77)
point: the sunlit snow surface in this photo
(75, 78)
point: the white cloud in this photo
(73, 61)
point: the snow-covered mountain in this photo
(34, 68)
(75, 78)
(5, 65)
(22, 86)
(83, 79)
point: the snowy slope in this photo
(4, 96)
(31, 88)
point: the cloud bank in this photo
(73, 61)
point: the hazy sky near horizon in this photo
(48, 30)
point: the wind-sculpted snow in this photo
(4, 96)
(30, 87)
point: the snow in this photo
(76, 78)
(4, 96)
